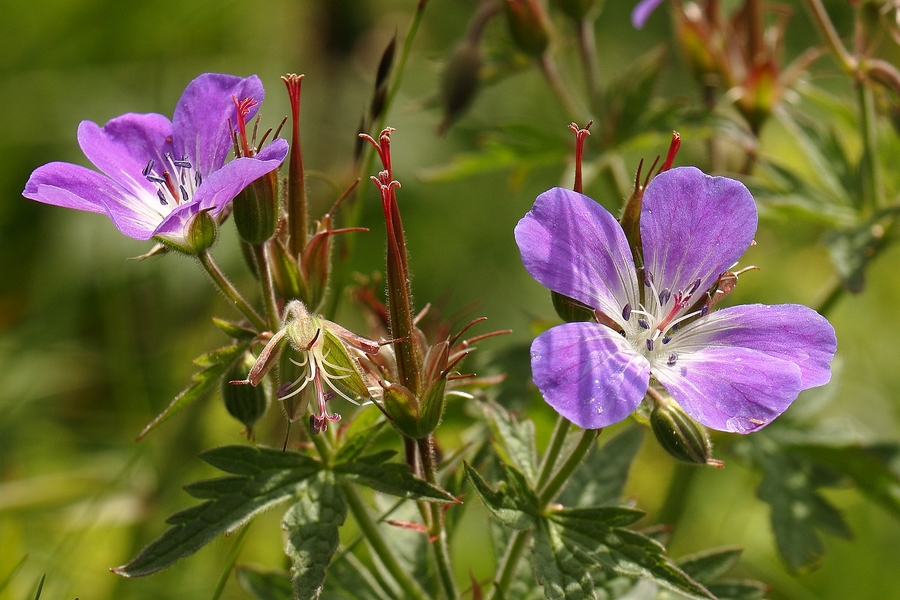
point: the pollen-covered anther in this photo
(177, 183)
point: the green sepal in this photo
(738, 589)
(246, 403)
(213, 366)
(266, 477)
(390, 478)
(514, 503)
(254, 210)
(264, 584)
(570, 310)
(678, 434)
(233, 330)
(312, 526)
(402, 408)
(202, 232)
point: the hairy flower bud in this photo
(255, 210)
(459, 82)
(202, 232)
(529, 25)
(679, 435)
(245, 403)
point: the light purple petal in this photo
(731, 389)
(642, 11)
(73, 186)
(694, 226)
(222, 186)
(123, 147)
(789, 332)
(588, 373)
(202, 115)
(573, 246)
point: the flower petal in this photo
(694, 226)
(221, 186)
(788, 332)
(73, 186)
(573, 246)
(202, 115)
(588, 373)
(731, 389)
(123, 147)
(642, 12)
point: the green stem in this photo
(509, 564)
(229, 291)
(556, 441)
(873, 184)
(437, 530)
(548, 68)
(229, 563)
(677, 494)
(552, 488)
(587, 45)
(826, 28)
(370, 531)
(268, 286)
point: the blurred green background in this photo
(93, 346)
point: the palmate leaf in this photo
(265, 584)
(571, 544)
(601, 477)
(312, 525)
(261, 478)
(514, 503)
(390, 478)
(516, 438)
(213, 366)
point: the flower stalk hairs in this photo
(159, 175)
(733, 369)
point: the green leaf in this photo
(213, 366)
(514, 503)
(312, 525)
(517, 438)
(361, 433)
(627, 99)
(391, 478)
(851, 250)
(263, 584)
(267, 477)
(238, 332)
(734, 589)
(707, 566)
(348, 579)
(622, 551)
(601, 477)
(873, 468)
(560, 568)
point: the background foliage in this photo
(94, 346)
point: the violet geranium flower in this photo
(734, 369)
(642, 12)
(159, 174)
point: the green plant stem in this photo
(229, 562)
(437, 531)
(229, 291)
(552, 488)
(587, 46)
(551, 73)
(826, 28)
(509, 563)
(556, 441)
(677, 494)
(873, 184)
(267, 285)
(370, 531)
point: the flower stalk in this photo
(229, 291)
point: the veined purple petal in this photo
(573, 246)
(694, 226)
(731, 389)
(589, 373)
(788, 332)
(125, 145)
(642, 12)
(221, 186)
(202, 116)
(73, 186)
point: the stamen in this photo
(626, 312)
(162, 198)
(184, 194)
(198, 179)
(648, 278)
(649, 345)
(693, 287)
(667, 338)
(183, 163)
(664, 296)
(672, 359)
(148, 168)
(643, 323)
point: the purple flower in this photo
(159, 174)
(642, 11)
(734, 369)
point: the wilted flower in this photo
(734, 369)
(159, 174)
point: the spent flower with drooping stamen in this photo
(733, 369)
(319, 361)
(159, 175)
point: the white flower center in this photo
(177, 182)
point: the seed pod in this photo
(246, 403)
(679, 435)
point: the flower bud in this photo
(246, 403)
(459, 82)
(402, 408)
(679, 435)
(529, 25)
(202, 232)
(577, 10)
(255, 209)
(569, 309)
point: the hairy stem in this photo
(267, 285)
(437, 531)
(556, 441)
(229, 291)
(556, 483)
(826, 28)
(873, 184)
